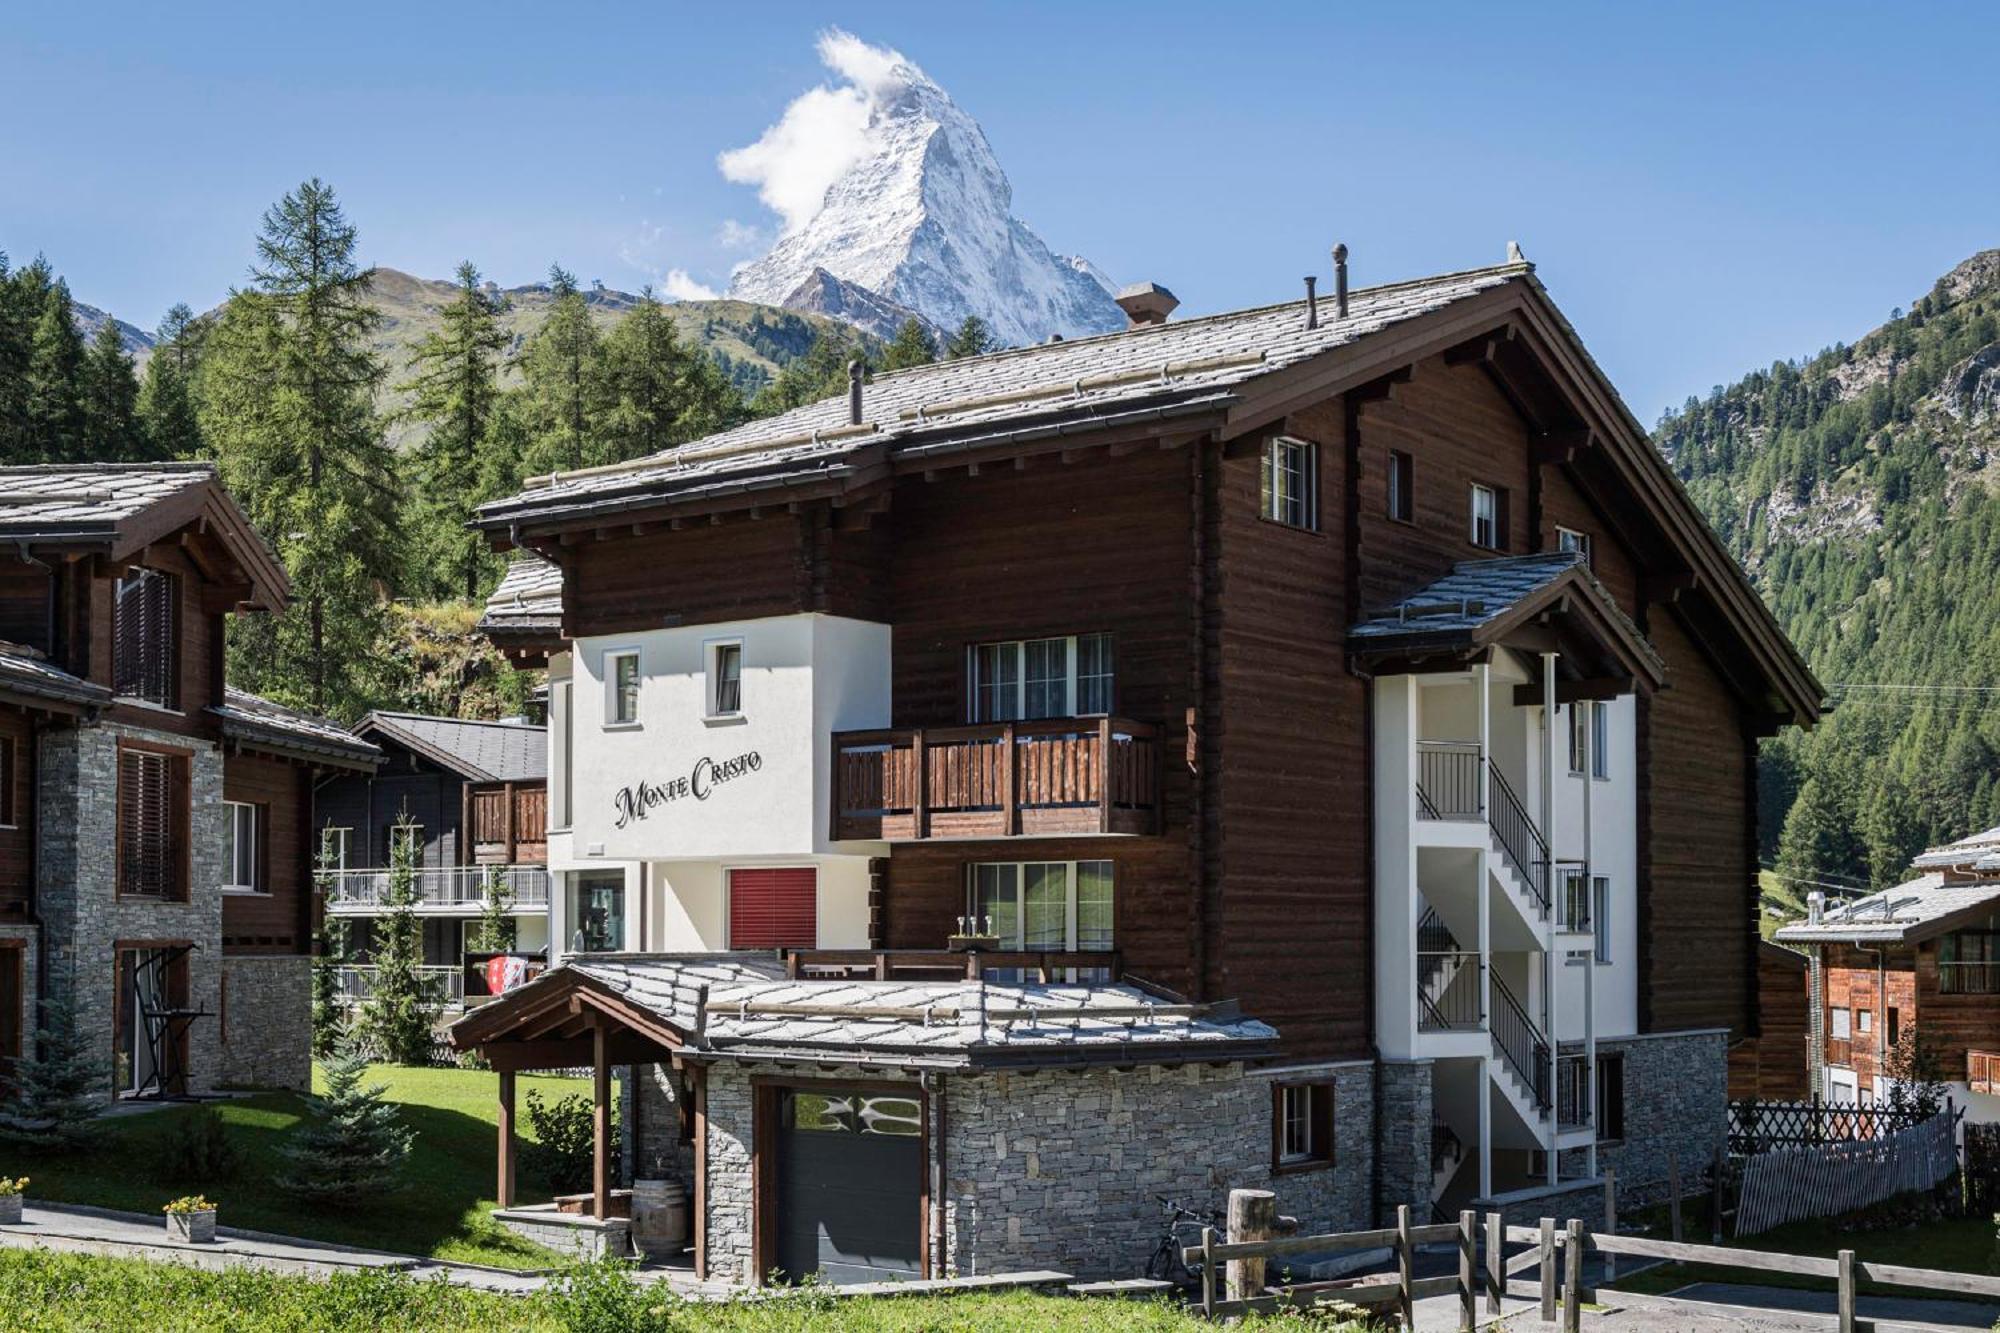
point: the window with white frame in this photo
(1303, 1130)
(239, 862)
(1402, 487)
(725, 678)
(1485, 517)
(621, 687)
(1837, 1020)
(1569, 539)
(1069, 676)
(1290, 483)
(1053, 906)
(334, 845)
(562, 720)
(405, 837)
(1577, 747)
(1600, 739)
(1865, 1021)
(1600, 916)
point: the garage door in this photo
(849, 1185)
(774, 909)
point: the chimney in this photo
(1312, 302)
(854, 369)
(1815, 907)
(1146, 303)
(1340, 280)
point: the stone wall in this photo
(1403, 1097)
(728, 1184)
(1580, 1199)
(75, 876)
(1676, 1102)
(266, 1022)
(655, 1149)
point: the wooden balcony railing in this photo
(1059, 776)
(942, 964)
(1982, 1071)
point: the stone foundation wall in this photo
(1403, 1096)
(656, 1150)
(725, 1212)
(75, 874)
(266, 1022)
(1580, 1199)
(1676, 1102)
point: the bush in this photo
(197, 1149)
(352, 1147)
(601, 1297)
(563, 1150)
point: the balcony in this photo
(445, 983)
(1040, 966)
(441, 890)
(1052, 778)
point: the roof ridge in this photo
(456, 721)
(47, 469)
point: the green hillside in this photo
(1857, 487)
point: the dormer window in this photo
(144, 630)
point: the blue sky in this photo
(1704, 187)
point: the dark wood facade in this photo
(281, 917)
(1958, 1017)
(1774, 1065)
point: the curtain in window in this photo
(1093, 674)
(1093, 905)
(996, 675)
(1045, 906)
(1046, 684)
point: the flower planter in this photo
(10, 1209)
(192, 1228)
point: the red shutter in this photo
(773, 909)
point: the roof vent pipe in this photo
(1340, 279)
(1146, 303)
(854, 369)
(1815, 906)
(1312, 302)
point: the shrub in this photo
(601, 1297)
(58, 1094)
(197, 1149)
(353, 1146)
(563, 1151)
(13, 1185)
(189, 1203)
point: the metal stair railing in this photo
(1526, 849)
(1521, 1043)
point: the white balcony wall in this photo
(688, 911)
(1614, 854)
(1396, 910)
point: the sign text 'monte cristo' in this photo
(638, 800)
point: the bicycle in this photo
(1184, 1227)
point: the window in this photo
(1600, 916)
(142, 636)
(152, 824)
(775, 908)
(597, 913)
(334, 845)
(1290, 484)
(621, 683)
(240, 868)
(1969, 962)
(1402, 487)
(1600, 739)
(725, 679)
(561, 719)
(1036, 678)
(1058, 906)
(1610, 1097)
(8, 815)
(403, 835)
(1576, 900)
(1865, 1021)
(1895, 1033)
(1576, 740)
(1569, 539)
(1838, 1018)
(1302, 1125)
(1485, 517)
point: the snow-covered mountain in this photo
(917, 210)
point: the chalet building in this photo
(1776, 1064)
(472, 799)
(1921, 957)
(1311, 746)
(154, 858)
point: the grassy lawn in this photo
(41, 1292)
(440, 1211)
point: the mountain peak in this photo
(911, 205)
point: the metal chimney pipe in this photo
(1340, 279)
(1312, 302)
(854, 369)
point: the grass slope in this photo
(440, 1211)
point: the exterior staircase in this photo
(1520, 1058)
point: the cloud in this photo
(823, 132)
(679, 286)
(734, 235)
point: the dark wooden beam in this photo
(1561, 446)
(1382, 386)
(622, 1048)
(1575, 691)
(1667, 587)
(222, 598)
(505, 1188)
(600, 1123)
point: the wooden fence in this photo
(1762, 1126)
(1833, 1178)
(1555, 1254)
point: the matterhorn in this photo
(894, 203)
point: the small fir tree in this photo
(329, 1016)
(109, 401)
(497, 930)
(562, 389)
(400, 1011)
(167, 411)
(353, 1145)
(910, 347)
(972, 339)
(59, 1092)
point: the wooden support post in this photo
(1496, 1262)
(698, 1212)
(1573, 1278)
(1674, 1194)
(1610, 1222)
(920, 799)
(1406, 1254)
(1549, 1270)
(505, 1188)
(600, 1123)
(1845, 1279)
(1253, 1215)
(1468, 1270)
(1104, 775)
(1208, 1272)
(1010, 787)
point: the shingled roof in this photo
(476, 751)
(29, 678)
(1918, 909)
(528, 600)
(256, 723)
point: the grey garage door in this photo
(849, 1184)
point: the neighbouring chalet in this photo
(471, 797)
(1776, 1064)
(154, 849)
(1311, 746)
(1924, 957)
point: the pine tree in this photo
(18, 314)
(658, 390)
(354, 1144)
(288, 378)
(108, 399)
(397, 1017)
(972, 339)
(820, 373)
(166, 400)
(53, 385)
(57, 1094)
(455, 392)
(1892, 832)
(562, 389)
(1818, 840)
(329, 1016)
(910, 347)
(498, 932)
